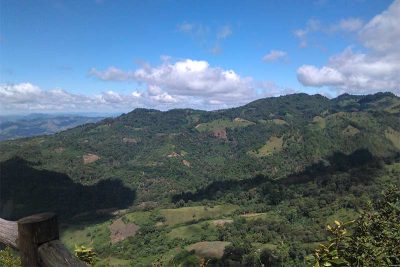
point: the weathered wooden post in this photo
(34, 231)
(36, 238)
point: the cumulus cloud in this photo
(172, 84)
(187, 80)
(274, 55)
(26, 97)
(375, 69)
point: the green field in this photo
(273, 145)
(222, 124)
(189, 214)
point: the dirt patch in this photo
(119, 230)
(128, 140)
(242, 120)
(174, 155)
(221, 222)
(59, 149)
(249, 215)
(209, 249)
(186, 163)
(90, 158)
(221, 134)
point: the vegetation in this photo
(8, 258)
(373, 239)
(260, 182)
(85, 254)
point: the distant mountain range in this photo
(13, 127)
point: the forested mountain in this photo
(13, 127)
(297, 160)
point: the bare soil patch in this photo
(221, 134)
(209, 249)
(222, 222)
(119, 230)
(128, 140)
(90, 158)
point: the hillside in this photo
(265, 176)
(160, 154)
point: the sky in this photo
(115, 56)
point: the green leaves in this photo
(374, 239)
(85, 254)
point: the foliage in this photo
(321, 159)
(8, 258)
(85, 254)
(373, 240)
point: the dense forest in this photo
(249, 186)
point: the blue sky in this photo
(62, 56)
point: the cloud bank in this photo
(186, 80)
(179, 84)
(375, 69)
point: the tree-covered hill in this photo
(159, 155)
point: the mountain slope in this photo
(161, 154)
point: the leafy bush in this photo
(373, 240)
(8, 258)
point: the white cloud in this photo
(312, 76)
(185, 80)
(172, 84)
(26, 97)
(350, 24)
(274, 55)
(374, 70)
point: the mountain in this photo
(13, 127)
(265, 176)
(160, 154)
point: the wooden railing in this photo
(36, 238)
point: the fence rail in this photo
(36, 238)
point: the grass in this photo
(138, 217)
(319, 121)
(111, 261)
(209, 249)
(97, 235)
(189, 214)
(279, 122)
(273, 145)
(393, 136)
(222, 124)
(196, 230)
(350, 131)
(343, 215)
(267, 246)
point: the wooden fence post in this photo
(34, 231)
